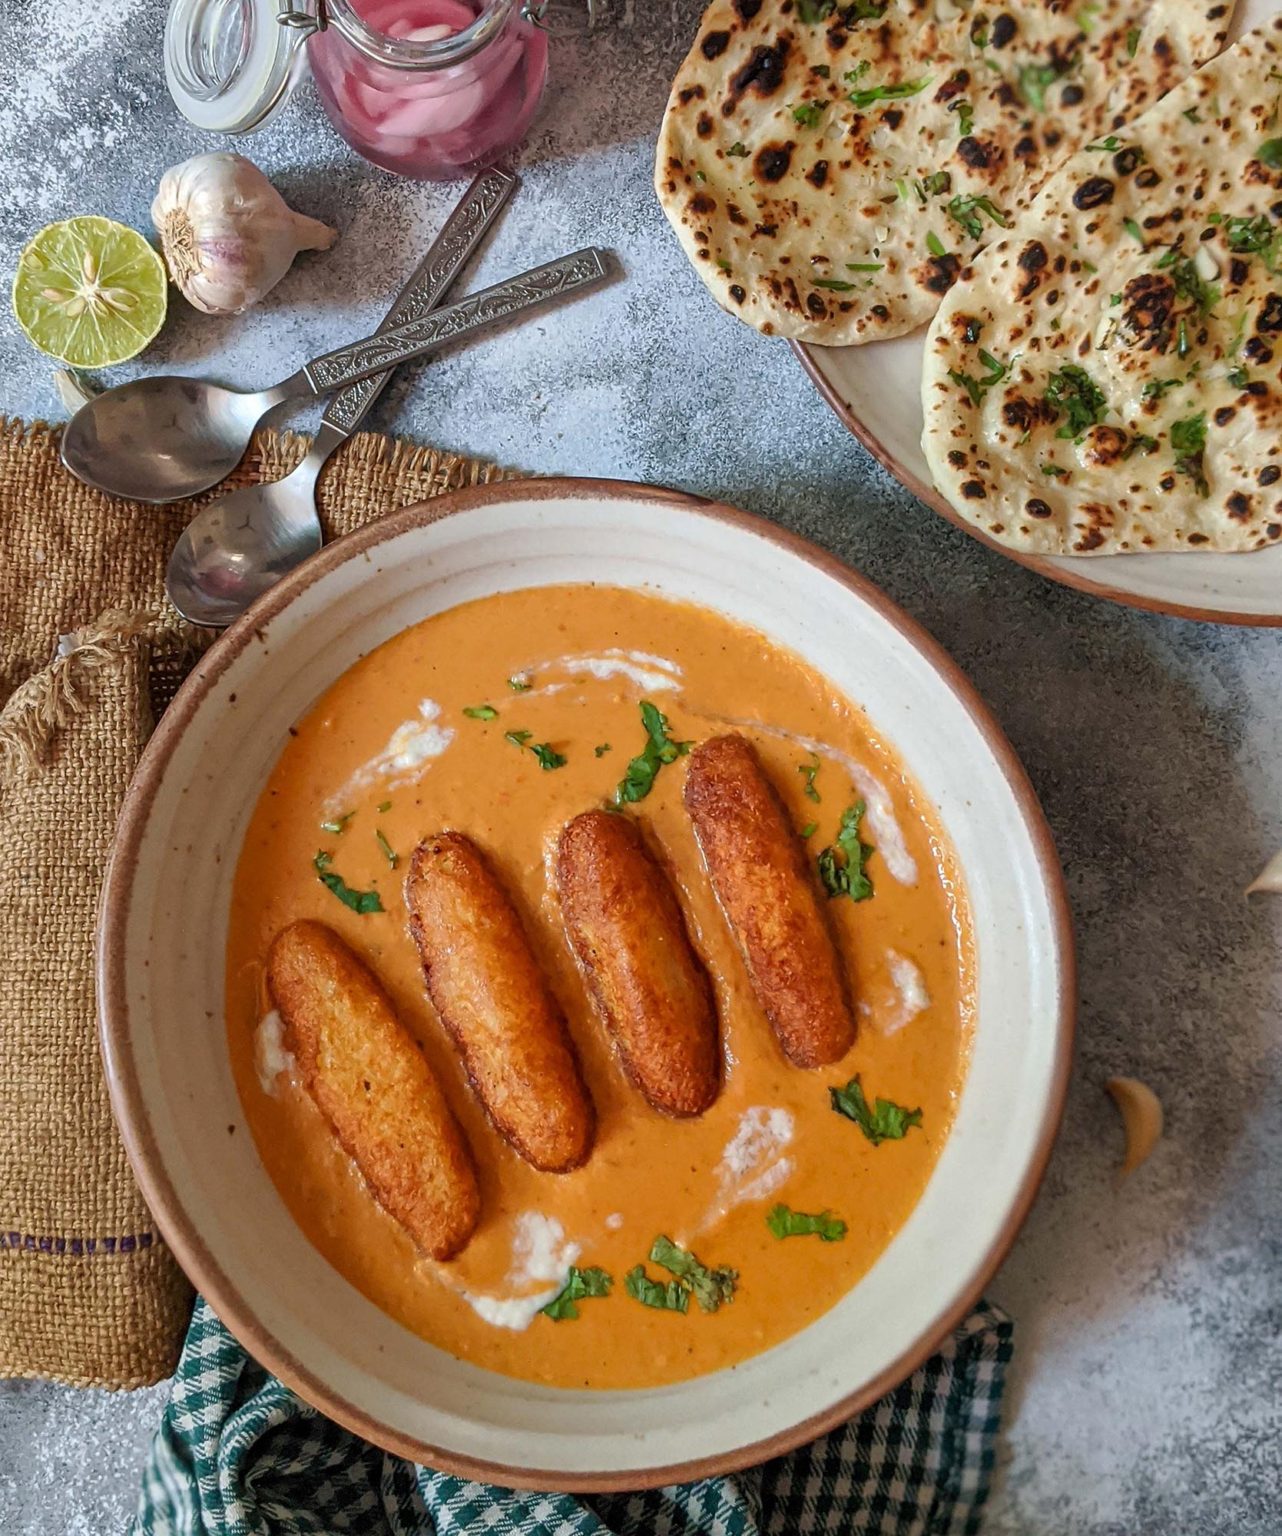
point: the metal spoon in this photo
(161, 439)
(243, 543)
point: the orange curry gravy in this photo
(576, 646)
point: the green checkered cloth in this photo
(237, 1454)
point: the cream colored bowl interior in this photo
(161, 973)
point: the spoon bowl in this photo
(242, 544)
(163, 438)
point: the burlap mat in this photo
(89, 1293)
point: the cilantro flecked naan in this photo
(830, 169)
(1138, 306)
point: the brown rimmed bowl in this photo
(162, 939)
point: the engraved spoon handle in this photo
(375, 354)
(449, 253)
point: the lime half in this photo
(90, 292)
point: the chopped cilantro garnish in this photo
(517, 738)
(858, 72)
(841, 864)
(1108, 145)
(809, 771)
(385, 805)
(638, 780)
(664, 1296)
(723, 263)
(602, 749)
(336, 823)
(1132, 40)
(935, 245)
(712, 1288)
(928, 186)
(1055, 471)
(978, 388)
(864, 266)
(359, 901)
(965, 119)
(1140, 443)
(812, 11)
(581, 1284)
(1156, 388)
(872, 93)
(1188, 443)
(979, 32)
(548, 759)
(785, 1222)
(837, 284)
(1189, 282)
(886, 1121)
(1071, 389)
(738, 150)
(808, 113)
(1115, 299)
(1034, 80)
(392, 858)
(1182, 346)
(1085, 18)
(810, 828)
(966, 210)
(822, 71)
(481, 712)
(1270, 154)
(1237, 377)
(1133, 229)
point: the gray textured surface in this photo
(1148, 1380)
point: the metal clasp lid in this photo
(537, 11)
(302, 20)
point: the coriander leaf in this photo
(966, 210)
(1188, 443)
(359, 901)
(934, 244)
(1156, 388)
(1132, 40)
(866, 97)
(548, 759)
(886, 1121)
(665, 1296)
(1071, 389)
(812, 11)
(858, 72)
(978, 388)
(386, 805)
(809, 771)
(602, 749)
(1189, 282)
(737, 150)
(1237, 377)
(810, 828)
(864, 266)
(581, 1284)
(841, 864)
(835, 283)
(712, 1288)
(1055, 471)
(392, 858)
(1140, 443)
(481, 712)
(785, 1222)
(808, 113)
(1270, 154)
(520, 683)
(930, 186)
(638, 778)
(517, 738)
(1133, 229)
(336, 823)
(965, 119)
(1250, 234)
(1034, 80)
(1107, 145)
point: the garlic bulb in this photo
(227, 234)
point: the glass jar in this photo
(433, 89)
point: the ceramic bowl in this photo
(160, 977)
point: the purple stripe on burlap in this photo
(77, 1247)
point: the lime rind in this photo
(90, 292)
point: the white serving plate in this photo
(876, 390)
(160, 981)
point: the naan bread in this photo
(813, 215)
(1106, 379)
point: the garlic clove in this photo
(228, 236)
(1142, 1119)
(1269, 878)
